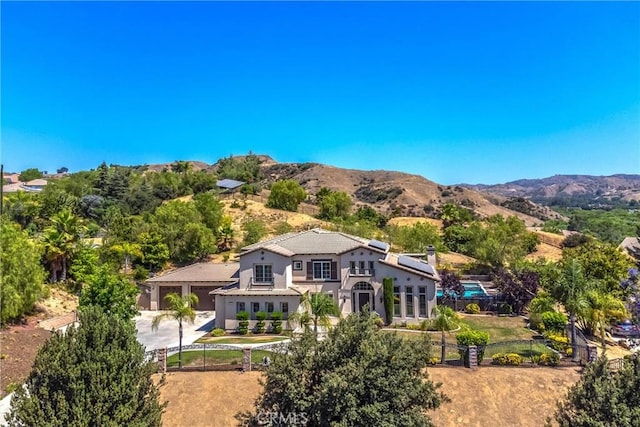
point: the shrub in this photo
(535, 322)
(387, 286)
(510, 359)
(140, 274)
(477, 338)
(472, 308)
(556, 341)
(554, 321)
(549, 359)
(243, 322)
(218, 332)
(261, 316)
(276, 322)
(434, 360)
(505, 308)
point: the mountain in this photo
(570, 190)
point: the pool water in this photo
(471, 290)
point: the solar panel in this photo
(379, 245)
(416, 264)
(229, 183)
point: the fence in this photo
(212, 357)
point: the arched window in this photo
(362, 286)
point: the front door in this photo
(363, 299)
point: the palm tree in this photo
(444, 320)
(127, 250)
(318, 309)
(570, 290)
(60, 240)
(180, 309)
(600, 307)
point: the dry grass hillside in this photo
(392, 192)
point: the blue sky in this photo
(456, 92)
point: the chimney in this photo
(431, 256)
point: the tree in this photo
(63, 169)
(60, 240)
(21, 275)
(335, 204)
(415, 238)
(387, 288)
(180, 309)
(93, 374)
(155, 253)
(451, 285)
(319, 307)
(359, 376)
(211, 210)
(29, 174)
(599, 310)
(286, 195)
(603, 397)
(111, 292)
(444, 320)
(518, 288)
(125, 251)
(569, 288)
(254, 230)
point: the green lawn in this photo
(500, 328)
(215, 357)
(260, 339)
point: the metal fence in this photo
(215, 357)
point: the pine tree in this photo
(93, 375)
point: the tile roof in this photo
(202, 272)
(236, 291)
(311, 242)
(429, 271)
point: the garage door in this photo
(164, 290)
(205, 301)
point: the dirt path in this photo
(490, 396)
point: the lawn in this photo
(241, 339)
(499, 328)
(215, 357)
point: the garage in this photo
(164, 290)
(205, 301)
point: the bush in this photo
(140, 274)
(261, 316)
(217, 332)
(243, 322)
(505, 308)
(472, 308)
(276, 322)
(434, 360)
(549, 359)
(510, 359)
(556, 341)
(554, 321)
(535, 322)
(477, 338)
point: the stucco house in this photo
(273, 275)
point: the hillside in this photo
(395, 193)
(581, 189)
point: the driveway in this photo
(167, 333)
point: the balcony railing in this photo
(261, 283)
(362, 272)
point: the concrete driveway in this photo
(167, 333)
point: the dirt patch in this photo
(19, 345)
(492, 395)
(219, 396)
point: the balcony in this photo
(261, 283)
(360, 272)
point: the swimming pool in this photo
(471, 290)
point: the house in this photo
(273, 275)
(200, 278)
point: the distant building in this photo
(229, 185)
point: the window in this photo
(297, 265)
(263, 273)
(422, 301)
(396, 301)
(371, 267)
(361, 267)
(322, 270)
(409, 300)
(239, 307)
(269, 307)
(255, 307)
(352, 267)
(284, 307)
